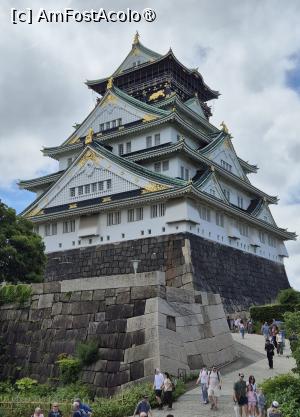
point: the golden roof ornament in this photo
(136, 38)
(109, 85)
(224, 127)
(89, 136)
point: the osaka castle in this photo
(146, 162)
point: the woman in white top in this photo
(214, 387)
(203, 379)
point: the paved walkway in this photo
(253, 361)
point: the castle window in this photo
(220, 219)
(54, 228)
(108, 184)
(226, 193)
(272, 241)
(59, 245)
(262, 237)
(139, 213)
(149, 231)
(123, 235)
(128, 147)
(80, 190)
(107, 125)
(50, 229)
(165, 165)
(153, 211)
(148, 141)
(142, 232)
(100, 185)
(121, 149)
(204, 213)
(90, 241)
(243, 228)
(69, 226)
(157, 139)
(187, 174)
(157, 166)
(47, 229)
(182, 172)
(157, 210)
(87, 189)
(171, 323)
(72, 192)
(113, 218)
(130, 215)
(94, 187)
(161, 209)
(79, 242)
(240, 201)
(73, 243)
(119, 121)
(107, 237)
(114, 123)
(101, 127)
(226, 166)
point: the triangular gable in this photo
(209, 184)
(95, 167)
(115, 105)
(264, 213)
(138, 55)
(222, 152)
(194, 104)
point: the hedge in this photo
(272, 311)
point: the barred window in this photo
(87, 189)
(204, 213)
(128, 147)
(226, 166)
(130, 215)
(107, 125)
(226, 193)
(114, 123)
(219, 219)
(121, 149)
(157, 166)
(139, 213)
(119, 121)
(47, 229)
(157, 139)
(108, 184)
(101, 127)
(182, 172)
(262, 237)
(161, 209)
(165, 165)
(240, 201)
(80, 190)
(94, 187)
(54, 228)
(148, 141)
(272, 241)
(100, 185)
(72, 192)
(69, 226)
(113, 218)
(157, 210)
(153, 211)
(243, 228)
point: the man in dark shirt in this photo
(143, 408)
(55, 411)
(269, 348)
(76, 409)
(240, 394)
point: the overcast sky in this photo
(248, 50)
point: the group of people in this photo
(274, 339)
(250, 401)
(79, 410)
(211, 384)
(240, 325)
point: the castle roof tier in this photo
(147, 153)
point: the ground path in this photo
(252, 361)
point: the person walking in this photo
(143, 408)
(167, 389)
(250, 326)
(265, 330)
(242, 329)
(214, 387)
(157, 386)
(55, 411)
(203, 380)
(274, 411)
(251, 381)
(252, 400)
(269, 348)
(261, 403)
(240, 395)
(280, 343)
(274, 332)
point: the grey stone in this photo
(45, 301)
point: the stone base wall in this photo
(138, 322)
(189, 262)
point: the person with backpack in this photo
(143, 408)
(203, 379)
(214, 387)
(85, 409)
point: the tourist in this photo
(143, 408)
(250, 326)
(274, 411)
(251, 381)
(274, 332)
(37, 412)
(237, 324)
(203, 379)
(157, 386)
(55, 411)
(214, 387)
(269, 348)
(265, 330)
(280, 343)
(240, 395)
(261, 403)
(242, 329)
(252, 400)
(85, 409)
(167, 389)
(229, 322)
(76, 409)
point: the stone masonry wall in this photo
(189, 261)
(138, 322)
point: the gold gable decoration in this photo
(35, 212)
(136, 38)
(156, 95)
(109, 99)
(89, 137)
(74, 140)
(89, 156)
(224, 127)
(152, 187)
(149, 117)
(109, 85)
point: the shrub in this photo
(69, 369)
(26, 384)
(87, 352)
(288, 296)
(270, 312)
(15, 293)
(292, 322)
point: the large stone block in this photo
(45, 301)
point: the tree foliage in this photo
(22, 255)
(288, 296)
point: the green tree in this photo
(288, 296)
(22, 255)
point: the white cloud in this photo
(243, 49)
